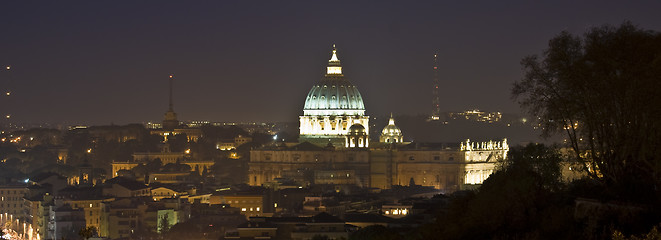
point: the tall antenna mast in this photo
(8, 91)
(436, 109)
(170, 107)
(170, 121)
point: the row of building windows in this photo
(251, 209)
(132, 223)
(296, 157)
(11, 198)
(164, 194)
(334, 176)
(11, 192)
(243, 201)
(82, 205)
(436, 158)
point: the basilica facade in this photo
(335, 148)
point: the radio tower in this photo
(8, 91)
(436, 109)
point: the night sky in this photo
(102, 62)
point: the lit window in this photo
(243, 209)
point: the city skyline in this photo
(97, 63)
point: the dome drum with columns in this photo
(332, 106)
(357, 137)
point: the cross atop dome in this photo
(334, 57)
(334, 66)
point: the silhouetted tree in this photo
(178, 143)
(375, 232)
(521, 201)
(176, 167)
(144, 233)
(164, 224)
(205, 171)
(604, 91)
(320, 237)
(154, 165)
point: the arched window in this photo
(333, 103)
(322, 102)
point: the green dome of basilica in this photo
(334, 95)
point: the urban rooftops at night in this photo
(330, 120)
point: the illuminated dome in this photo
(334, 95)
(357, 129)
(391, 133)
(332, 107)
(357, 137)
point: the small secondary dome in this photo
(391, 133)
(357, 137)
(356, 128)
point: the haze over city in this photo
(333, 120)
(109, 62)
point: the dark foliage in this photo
(603, 89)
(375, 232)
(87, 233)
(522, 201)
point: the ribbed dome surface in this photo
(334, 95)
(357, 128)
(334, 92)
(391, 129)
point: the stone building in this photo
(307, 164)
(445, 167)
(335, 148)
(11, 199)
